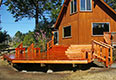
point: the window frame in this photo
(99, 22)
(57, 36)
(85, 7)
(63, 32)
(73, 7)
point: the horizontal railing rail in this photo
(32, 52)
(103, 52)
(110, 38)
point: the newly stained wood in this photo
(81, 22)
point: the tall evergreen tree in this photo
(38, 9)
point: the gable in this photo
(104, 6)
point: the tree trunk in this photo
(0, 3)
(36, 18)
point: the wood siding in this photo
(81, 23)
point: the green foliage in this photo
(44, 11)
(18, 38)
(111, 3)
(56, 7)
(4, 39)
(3, 36)
(29, 39)
(38, 38)
(41, 39)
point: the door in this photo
(56, 37)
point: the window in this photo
(67, 31)
(86, 5)
(99, 28)
(73, 6)
(56, 37)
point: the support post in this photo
(107, 57)
(111, 56)
(89, 57)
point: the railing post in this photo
(32, 50)
(16, 54)
(103, 52)
(111, 56)
(39, 51)
(24, 53)
(89, 57)
(107, 52)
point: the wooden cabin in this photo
(81, 21)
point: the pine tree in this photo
(111, 3)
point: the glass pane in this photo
(75, 5)
(82, 4)
(55, 37)
(88, 4)
(71, 6)
(106, 27)
(99, 28)
(67, 31)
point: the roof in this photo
(61, 11)
(65, 4)
(108, 6)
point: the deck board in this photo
(12, 59)
(52, 61)
(56, 55)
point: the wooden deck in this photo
(55, 55)
(73, 54)
(52, 60)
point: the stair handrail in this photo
(107, 37)
(103, 51)
(50, 44)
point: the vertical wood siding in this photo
(81, 23)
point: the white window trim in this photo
(63, 32)
(86, 6)
(99, 22)
(73, 7)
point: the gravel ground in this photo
(94, 73)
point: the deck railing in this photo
(50, 44)
(103, 52)
(110, 38)
(20, 51)
(32, 52)
(87, 54)
(107, 37)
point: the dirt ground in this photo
(94, 73)
(9, 73)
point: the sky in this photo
(8, 23)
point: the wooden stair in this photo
(77, 51)
(57, 53)
(72, 52)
